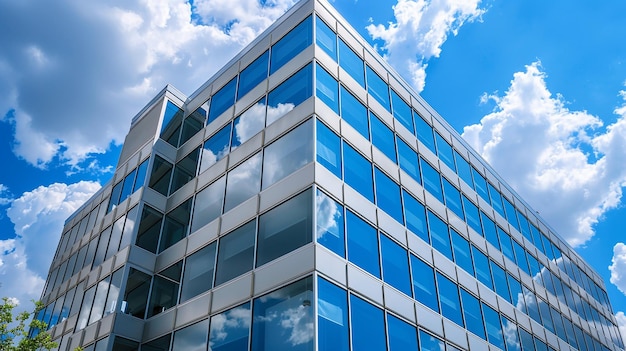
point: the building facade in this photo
(305, 198)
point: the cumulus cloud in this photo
(618, 268)
(70, 90)
(38, 217)
(5, 195)
(420, 30)
(563, 162)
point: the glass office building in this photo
(304, 198)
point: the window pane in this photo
(395, 265)
(326, 88)
(439, 236)
(136, 294)
(230, 330)
(496, 200)
(243, 182)
(160, 176)
(351, 63)
(116, 236)
(198, 276)
(114, 200)
(511, 215)
(330, 223)
(114, 292)
(377, 87)
(494, 330)
(222, 100)
(127, 188)
(185, 170)
(141, 175)
(176, 225)
(99, 300)
(285, 228)
(325, 38)
(236, 253)
(362, 244)
(424, 133)
(499, 279)
(449, 298)
(191, 338)
(515, 288)
(471, 215)
(489, 230)
(160, 344)
(388, 195)
(289, 94)
(215, 148)
(357, 172)
(424, 283)
(453, 197)
(332, 317)
(163, 295)
(462, 256)
(415, 215)
(473, 316)
(481, 265)
(432, 179)
(149, 229)
(367, 320)
(430, 343)
(463, 169)
(402, 111)
(172, 120)
(284, 319)
(520, 255)
(480, 185)
(523, 222)
(402, 335)
(383, 138)
(103, 243)
(288, 154)
(252, 75)
(192, 125)
(291, 44)
(505, 244)
(408, 160)
(248, 124)
(354, 112)
(510, 335)
(208, 204)
(328, 149)
(444, 151)
(83, 316)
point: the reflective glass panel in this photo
(160, 344)
(192, 125)
(103, 243)
(252, 75)
(515, 289)
(383, 138)
(236, 253)
(510, 335)
(524, 226)
(191, 338)
(481, 266)
(520, 255)
(215, 148)
(288, 154)
(127, 188)
(395, 265)
(332, 318)
(160, 176)
(439, 236)
(367, 320)
(408, 160)
(99, 300)
(471, 215)
(354, 112)
(430, 343)
(222, 100)
(511, 214)
(402, 335)
(453, 197)
(462, 255)
(185, 170)
(415, 215)
(141, 175)
(424, 283)
(114, 292)
(116, 236)
(496, 200)
(444, 151)
(290, 93)
(402, 111)
(291, 44)
(362, 244)
(248, 124)
(230, 330)
(198, 275)
(480, 185)
(388, 195)
(172, 121)
(326, 88)
(505, 244)
(357, 172)
(351, 63)
(330, 223)
(284, 319)
(243, 182)
(449, 299)
(473, 316)
(489, 230)
(328, 149)
(208, 204)
(285, 228)
(463, 169)
(149, 229)
(424, 133)
(163, 295)
(325, 38)
(83, 316)
(432, 179)
(377, 87)
(114, 200)
(176, 225)
(492, 323)
(499, 279)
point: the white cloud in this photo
(73, 88)
(420, 30)
(38, 217)
(618, 267)
(561, 161)
(5, 195)
(621, 323)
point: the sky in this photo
(538, 88)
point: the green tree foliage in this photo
(14, 332)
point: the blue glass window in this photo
(354, 112)
(489, 230)
(367, 320)
(510, 334)
(439, 236)
(533, 264)
(351, 63)
(415, 215)
(383, 138)
(462, 254)
(248, 124)
(402, 111)
(471, 215)
(388, 195)
(235, 253)
(473, 316)
(425, 133)
(402, 335)
(517, 298)
(114, 200)
(325, 38)
(481, 266)
(326, 88)
(496, 200)
(505, 244)
(463, 169)
(254, 74)
(172, 122)
(222, 100)
(141, 175)
(526, 340)
(377, 87)
(453, 198)
(444, 151)
(328, 149)
(199, 269)
(546, 318)
(534, 231)
(524, 225)
(215, 148)
(289, 94)
(358, 172)
(230, 329)
(531, 304)
(362, 244)
(499, 279)
(494, 329)
(511, 214)
(408, 160)
(480, 185)
(127, 188)
(193, 337)
(424, 283)
(449, 298)
(291, 44)
(430, 343)
(432, 179)
(332, 318)
(520, 254)
(395, 265)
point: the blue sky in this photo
(537, 87)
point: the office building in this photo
(304, 198)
